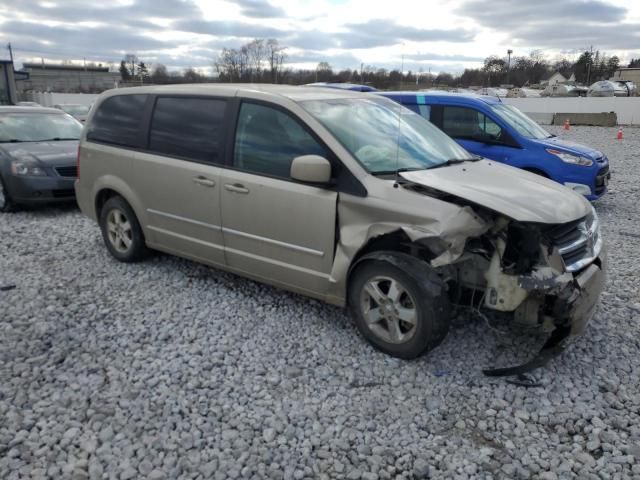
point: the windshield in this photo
(383, 135)
(520, 122)
(38, 127)
(76, 109)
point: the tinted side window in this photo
(267, 141)
(460, 122)
(118, 120)
(188, 127)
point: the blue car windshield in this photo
(520, 122)
(385, 136)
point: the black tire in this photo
(423, 287)
(134, 249)
(8, 205)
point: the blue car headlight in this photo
(571, 158)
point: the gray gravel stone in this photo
(421, 468)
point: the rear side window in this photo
(188, 127)
(267, 141)
(461, 122)
(118, 121)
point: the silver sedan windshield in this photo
(383, 135)
(38, 127)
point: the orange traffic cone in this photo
(566, 125)
(620, 134)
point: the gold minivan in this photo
(342, 196)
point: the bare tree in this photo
(257, 54)
(160, 74)
(231, 64)
(131, 59)
(275, 56)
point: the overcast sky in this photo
(437, 35)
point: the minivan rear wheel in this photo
(400, 304)
(121, 231)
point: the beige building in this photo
(631, 74)
(44, 77)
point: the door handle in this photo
(236, 187)
(204, 181)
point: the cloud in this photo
(260, 9)
(426, 57)
(381, 32)
(311, 40)
(183, 33)
(569, 24)
(74, 11)
(338, 61)
(227, 28)
(106, 39)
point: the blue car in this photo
(489, 128)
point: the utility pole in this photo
(589, 65)
(509, 52)
(10, 51)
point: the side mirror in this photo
(311, 169)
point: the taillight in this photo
(78, 163)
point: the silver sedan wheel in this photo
(119, 230)
(389, 309)
(3, 197)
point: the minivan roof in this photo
(295, 93)
(469, 98)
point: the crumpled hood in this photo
(49, 153)
(570, 147)
(515, 193)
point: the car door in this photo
(477, 133)
(178, 177)
(276, 229)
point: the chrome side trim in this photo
(290, 246)
(278, 263)
(184, 219)
(184, 237)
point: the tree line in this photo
(264, 61)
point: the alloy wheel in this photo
(119, 230)
(389, 309)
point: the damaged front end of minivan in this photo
(548, 275)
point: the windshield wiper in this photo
(399, 170)
(455, 161)
(55, 139)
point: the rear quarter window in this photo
(190, 128)
(118, 121)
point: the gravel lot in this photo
(170, 369)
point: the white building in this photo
(554, 79)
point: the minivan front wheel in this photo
(121, 231)
(399, 304)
